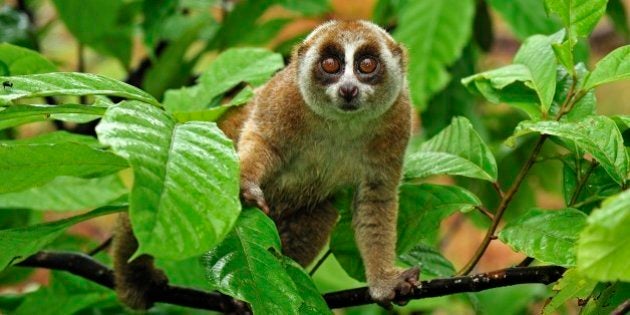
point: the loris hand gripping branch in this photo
(337, 116)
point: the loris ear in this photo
(298, 52)
(400, 52)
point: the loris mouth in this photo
(349, 107)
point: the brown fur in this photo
(293, 161)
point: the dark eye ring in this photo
(330, 65)
(368, 65)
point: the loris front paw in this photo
(252, 195)
(396, 282)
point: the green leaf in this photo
(69, 83)
(604, 245)
(598, 186)
(20, 60)
(99, 24)
(422, 208)
(56, 137)
(435, 32)
(214, 113)
(15, 27)
(19, 243)
(188, 272)
(537, 55)
(547, 235)
(29, 165)
(430, 261)
(251, 65)
(572, 285)
(185, 194)
(16, 115)
(584, 107)
(578, 16)
(597, 135)
(525, 17)
(313, 302)
(613, 67)
(67, 194)
(509, 84)
(606, 298)
(308, 7)
(457, 150)
(249, 256)
(616, 10)
(67, 294)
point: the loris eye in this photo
(330, 65)
(367, 65)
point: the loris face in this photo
(349, 70)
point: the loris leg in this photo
(133, 279)
(305, 232)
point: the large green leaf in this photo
(20, 60)
(66, 294)
(69, 83)
(573, 285)
(597, 135)
(430, 261)
(509, 84)
(313, 302)
(435, 32)
(28, 165)
(214, 113)
(101, 24)
(19, 243)
(67, 194)
(16, 115)
(457, 150)
(185, 194)
(525, 17)
(578, 16)
(592, 190)
(246, 266)
(613, 67)
(422, 208)
(251, 65)
(537, 55)
(604, 245)
(547, 235)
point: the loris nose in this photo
(348, 91)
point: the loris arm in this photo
(258, 157)
(374, 220)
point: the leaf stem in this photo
(497, 188)
(320, 262)
(582, 182)
(485, 212)
(505, 202)
(572, 98)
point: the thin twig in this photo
(498, 214)
(101, 247)
(497, 188)
(485, 212)
(320, 262)
(86, 267)
(581, 182)
(570, 101)
(623, 308)
(526, 262)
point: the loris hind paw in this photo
(394, 284)
(136, 294)
(252, 195)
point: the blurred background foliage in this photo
(159, 45)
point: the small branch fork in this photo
(572, 98)
(86, 267)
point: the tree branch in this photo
(86, 267)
